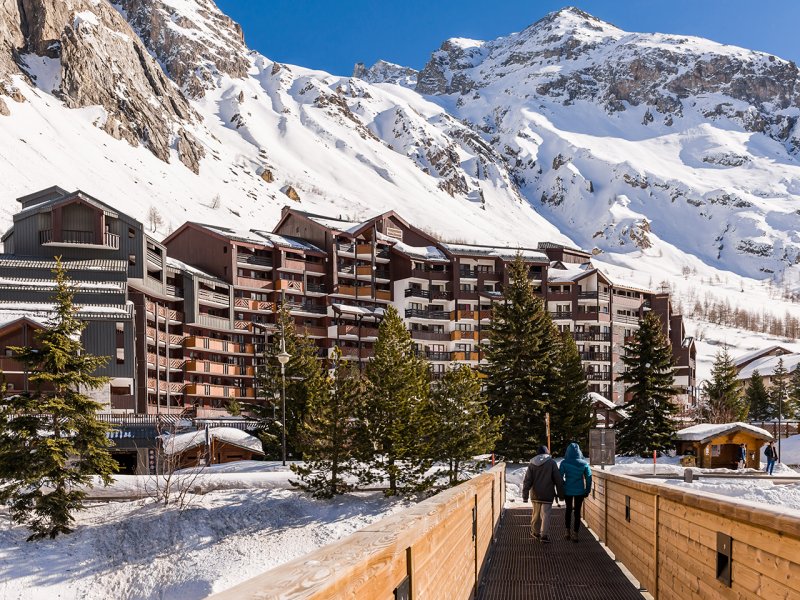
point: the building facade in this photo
(200, 305)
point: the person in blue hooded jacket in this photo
(577, 485)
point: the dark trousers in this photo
(574, 504)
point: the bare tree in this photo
(154, 218)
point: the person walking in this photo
(543, 483)
(742, 456)
(577, 485)
(772, 456)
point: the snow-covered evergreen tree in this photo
(649, 369)
(51, 441)
(779, 390)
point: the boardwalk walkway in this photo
(521, 569)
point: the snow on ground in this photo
(749, 489)
(140, 549)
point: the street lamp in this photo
(780, 416)
(283, 358)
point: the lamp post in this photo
(780, 416)
(283, 358)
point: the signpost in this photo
(602, 446)
(547, 426)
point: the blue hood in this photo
(574, 453)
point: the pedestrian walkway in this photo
(520, 568)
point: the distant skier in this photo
(772, 456)
(543, 482)
(577, 485)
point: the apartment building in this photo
(202, 303)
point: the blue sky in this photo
(332, 35)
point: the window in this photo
(224, 249)
(131, 233)
(131, 260)
(120, 343)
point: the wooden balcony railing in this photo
(215, 368)
(213, 297)
(215, 345)
(463, 335)
(218, 391)
(254, 260)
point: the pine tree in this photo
(51, 442)
(757, 398)
(304, 379)
(460, 421)
(570, 408)
(779, 390)
(724, 402)
(518, 361)
(793, 409)
(649, 364)
(329, 433)
(391, 416)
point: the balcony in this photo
(314, 309)
(213, 321)
(163, 312)
(431, 336)
(345, 248)
(435, 275)
(174, 387)
(214, 345)
(257, 283)
(364, 250)
(627, 319)
(467, 273)
(561, 314)
(74, 237)
(218, 391)
(592, 315)
(596, 356)
(464, 315)
(155, 258)
(385, 295)
(290, 285)
(254, 305)
(175, 364)
(559, 296)
(601, 296)
(215, 368)
(417, 293)
(485, 314)
(312, 331)
(211, 297)
(356, 353)
(356, 331)
(598, 375)
(463, 335)
(461, 356)
(437, 315)
(591, 336)
(254, 260)
(364, 291)
(153, 334)
(315, 288)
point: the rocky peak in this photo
(194, 41)
(98, 61)
(386, 72)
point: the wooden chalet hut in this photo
(716, 445)
(213, 445)
(605, 412)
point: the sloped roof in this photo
(766, 365)
(705, 432)
(596, 398)
(181, 442)
(749, 356)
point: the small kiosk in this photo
(716, 445)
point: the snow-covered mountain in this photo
(659, 151)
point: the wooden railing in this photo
(671, 539)
(437, 548)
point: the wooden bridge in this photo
(668, 542)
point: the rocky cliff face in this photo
(571, 56)
(195, 44)
(386, 72)
(98, 61)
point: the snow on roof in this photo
(336, 224)
(766, 366)
(597, 398)
(570, 274)
(748, 356)
(359, 310)
(706, 431)
(239, 235)
(180, 442)
(420, 252)
(42, 311)
(507, 253)
(100, 264)
(21, 282)
(287, 241)
(179, 264)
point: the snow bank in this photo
(704, 431)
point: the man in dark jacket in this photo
(543, 483)
(772, 455)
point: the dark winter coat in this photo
(542, 480)
(770, 453)
(576, 472)
(743, 453)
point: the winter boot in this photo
(574, 537)
(567, 534)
